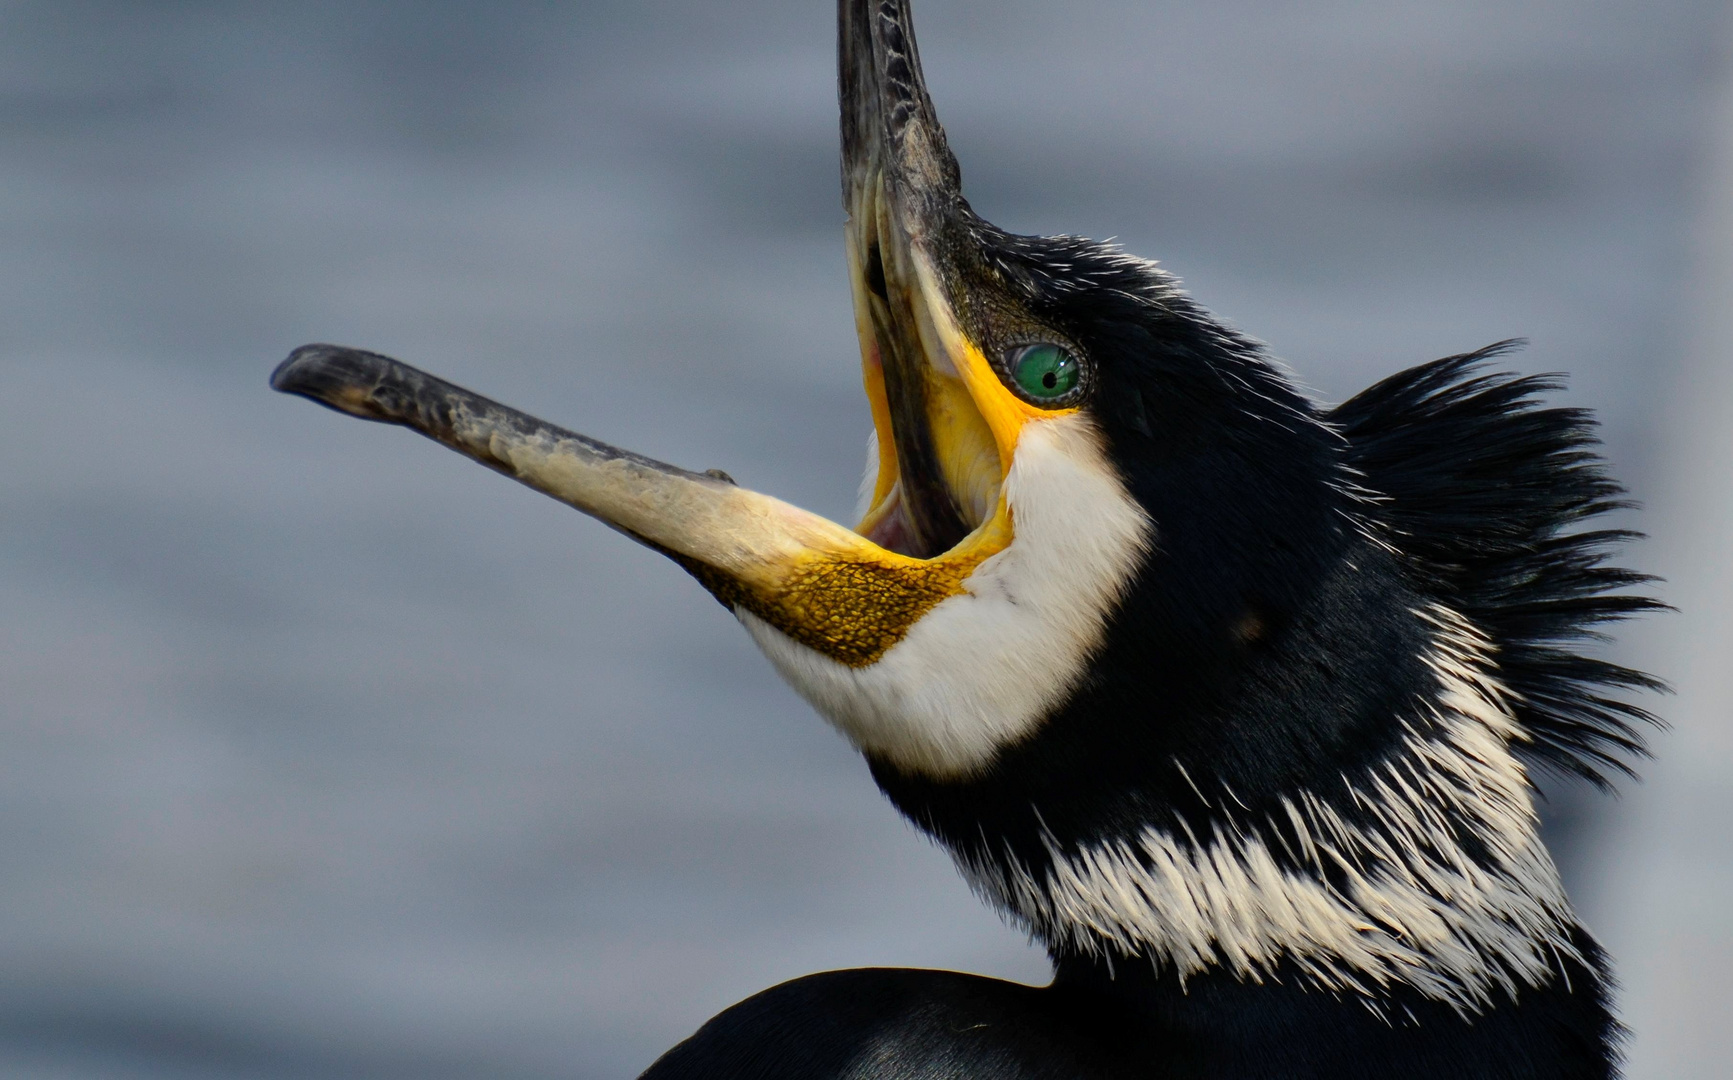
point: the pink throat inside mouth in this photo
(893, 532)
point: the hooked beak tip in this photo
(337, 377)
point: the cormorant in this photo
(1229, 699)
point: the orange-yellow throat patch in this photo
(854, 606)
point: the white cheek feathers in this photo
(982, 669)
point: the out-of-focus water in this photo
(324, 753)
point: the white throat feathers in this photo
(984, 668)
(1417, 909)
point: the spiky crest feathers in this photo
(1488, 496)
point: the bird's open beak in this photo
(947, 428)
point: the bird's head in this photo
(1056, 428)
(1177, 663)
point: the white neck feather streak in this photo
(1416, 909)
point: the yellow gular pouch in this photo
(854, 606)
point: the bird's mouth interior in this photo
(940, 467)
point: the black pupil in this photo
(1050, 380)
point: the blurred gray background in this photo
(324, 753)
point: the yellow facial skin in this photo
(1003, 412)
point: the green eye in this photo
(1044, 372)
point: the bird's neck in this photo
(1346, 818)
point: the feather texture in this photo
(1489, 497)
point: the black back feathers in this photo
(1489, 496)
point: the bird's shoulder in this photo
(894, 1024)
